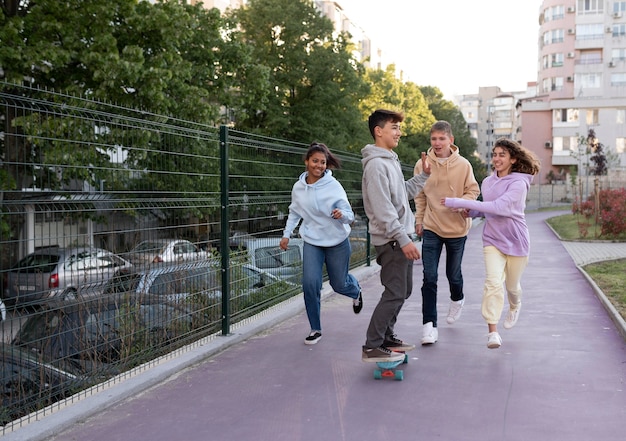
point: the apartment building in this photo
(581, 85)
(491, 114)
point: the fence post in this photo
(224, 230)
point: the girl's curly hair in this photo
(526, 161)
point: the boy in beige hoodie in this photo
(452, 176)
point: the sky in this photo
(455, 45)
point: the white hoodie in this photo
(314, 203)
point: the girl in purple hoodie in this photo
(506, 240)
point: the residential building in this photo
(581, 85)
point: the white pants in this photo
(502, 270)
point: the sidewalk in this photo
(559, 375)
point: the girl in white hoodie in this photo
(321, 203)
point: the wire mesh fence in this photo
(126, 235)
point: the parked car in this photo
(265, 254)
(104, 335)
(174, 282)
(180, 282)
(165, 250)
(28, 384)
(59, 272)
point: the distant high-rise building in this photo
(581, 84)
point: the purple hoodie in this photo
(503, 205)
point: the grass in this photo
(577, 227)
(610, 276)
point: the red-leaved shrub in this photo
(613, 211)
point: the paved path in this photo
(584, 253)
(559, 375)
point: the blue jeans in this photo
(337, 260)
(432, 246)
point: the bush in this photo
(613, 211)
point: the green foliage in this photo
(314, 81)
(273, 67)
(598, 157)
(389, 92)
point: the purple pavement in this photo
(559, 375)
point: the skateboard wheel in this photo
(399, 375)
(378, 374)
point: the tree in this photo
(314, 80)
(387, 91)
(166, 58)
(598, 157)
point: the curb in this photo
(614, 314)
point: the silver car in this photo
(59, 272)
(165, 250)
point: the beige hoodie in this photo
(452, 177)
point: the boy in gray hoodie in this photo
(386, 200)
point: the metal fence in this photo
(126, 235)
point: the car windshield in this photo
(144, 247)
(37, 263)
(274, 257)
(89, 260)
(49, 333)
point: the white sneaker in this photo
(430, 334)
(512, 316)
(455, 311)
(493, 340)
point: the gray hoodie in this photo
(386, 196)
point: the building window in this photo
(557, 60)
(563, 145)
(553, 36)
(590, 31)
(618, 79)
(554, 13)
(618, 30)
(557, 36)
(619, 7)
(620, 116)
(590, 57)
(589, 80)
(620, 145)
(592, 117)
(565, 115)
(588, 7)
(618, 54)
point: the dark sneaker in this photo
(380, 354)
(395, 344)
(313, 338)
(357, 304)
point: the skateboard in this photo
(388, 369)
